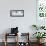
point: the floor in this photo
(13, 44)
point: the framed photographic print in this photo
(17, 13)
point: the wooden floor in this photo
(13, 44)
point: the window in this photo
(41, 8)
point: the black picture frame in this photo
(17, 13)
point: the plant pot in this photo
(40, 41)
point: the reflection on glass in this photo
(45, 14)
(41, 14)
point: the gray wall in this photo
(23, 23)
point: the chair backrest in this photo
(14, 30)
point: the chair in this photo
(14, 32)
(25, 43)
(7, 35)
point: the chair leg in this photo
(5, 43)
(5, 39)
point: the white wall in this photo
(23, 23)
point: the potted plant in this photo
(42, 27)
(35, 26)
(38, 27)
(39, 35)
